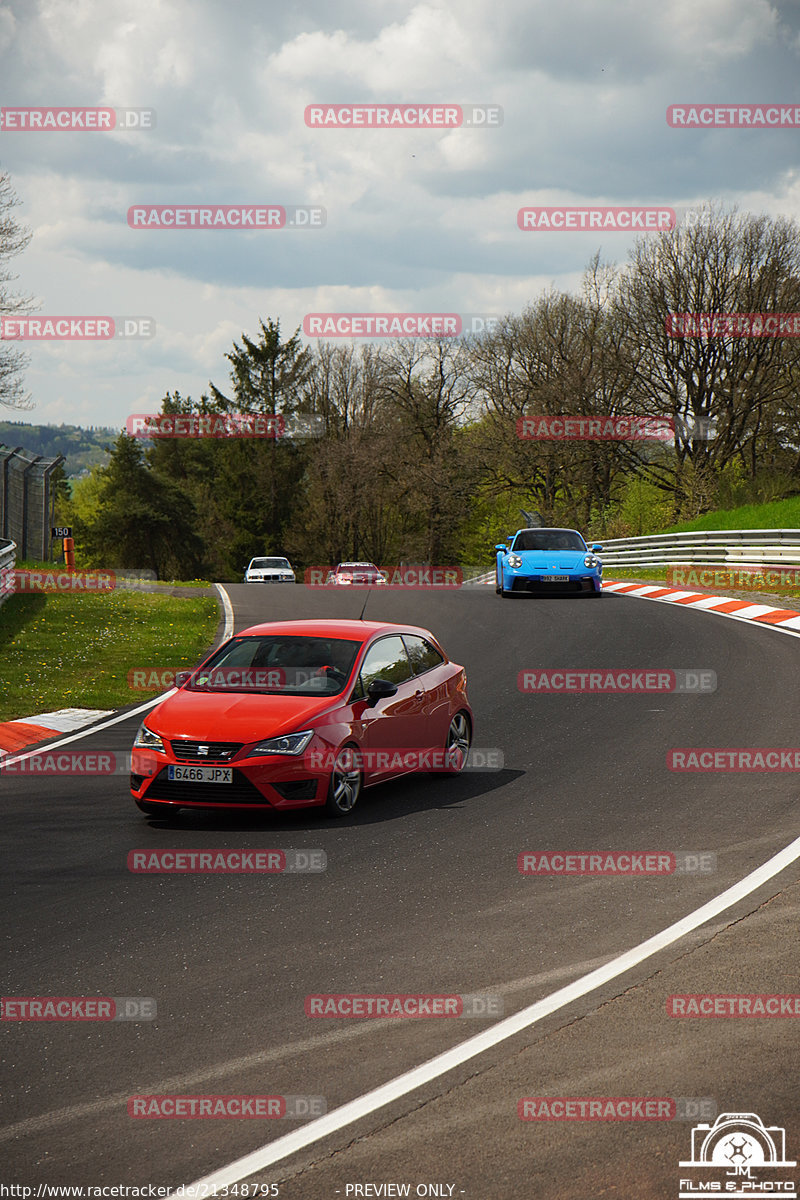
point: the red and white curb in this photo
(28, 731)
(785, 619)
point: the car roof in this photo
(360, 631)
(547, 529)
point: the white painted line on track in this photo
(362, 1106)
(228, 608)
(76, 737)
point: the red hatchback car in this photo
(292, 714)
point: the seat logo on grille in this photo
(202, 750)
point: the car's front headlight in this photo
(514, 561)
(590, 561)
(290, 743)
(147, 740)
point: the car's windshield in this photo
(281, 664)
(269, 562)
(548, 539)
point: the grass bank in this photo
(64, 650)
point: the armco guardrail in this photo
(8, 559)
(737, 547)
(742, 547)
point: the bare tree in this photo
(427, 393)
(559, 356)
(13, 240)
(742, 387)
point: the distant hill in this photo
(82, 448)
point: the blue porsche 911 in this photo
(548, 562)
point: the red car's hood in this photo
(234, 717)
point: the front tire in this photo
(346, 783)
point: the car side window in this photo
(386, 659)
(422, 654)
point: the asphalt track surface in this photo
(422, 895)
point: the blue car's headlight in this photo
(514, 560)
(290, 743)
(590, 561)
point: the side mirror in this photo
(596, 547)
(380, 689)
(182, 677)
(501, 547)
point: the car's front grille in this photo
(205, 752)
(548, 585)
(239, 791)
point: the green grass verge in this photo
(62, 650)
(41, 564)
(780, 514)
(656, 574)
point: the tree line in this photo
(419, 459)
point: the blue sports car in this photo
(548, 562)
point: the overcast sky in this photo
(417, 220)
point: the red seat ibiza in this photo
(292, 714)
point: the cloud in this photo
(418, 220)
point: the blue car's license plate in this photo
(556, 578)
(180, 774)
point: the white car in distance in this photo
(269, 570)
